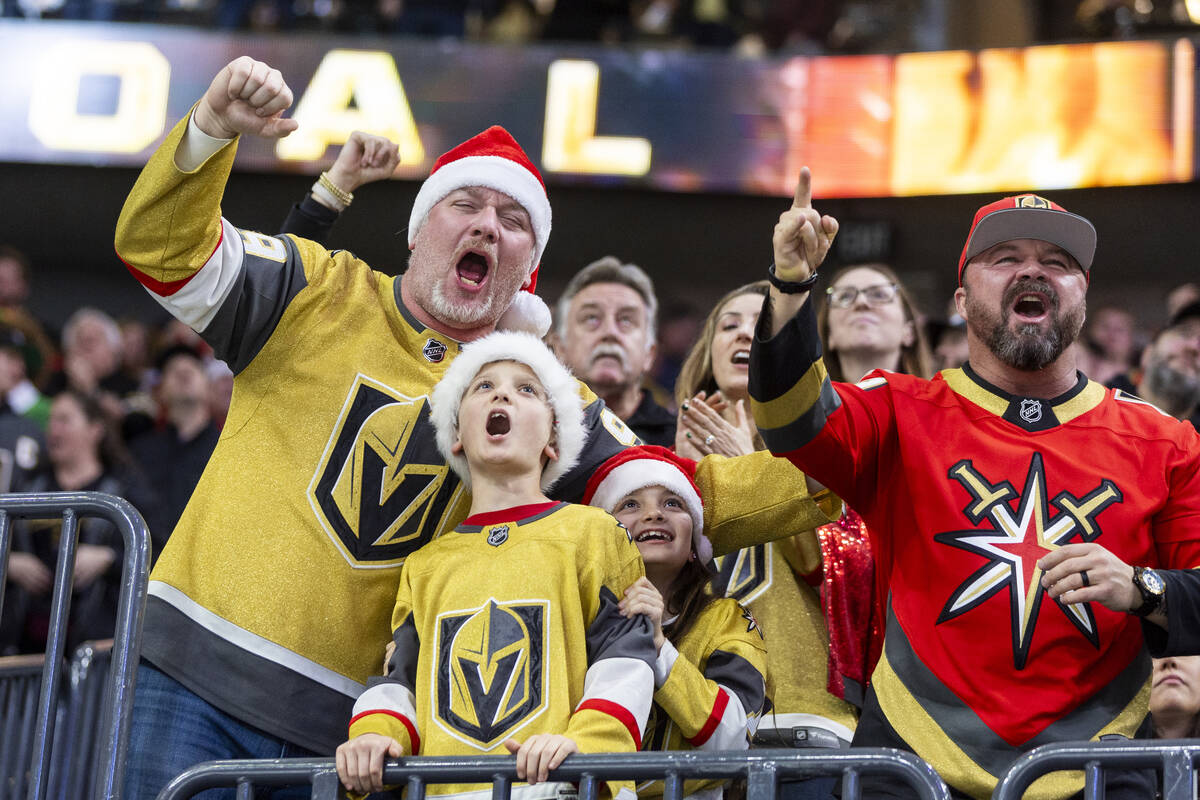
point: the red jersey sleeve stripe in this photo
(408, 725)
(168, 288)
(714, 719)
(618, 712)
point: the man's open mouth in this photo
(1031, 305)
(498, 423)
(472, 268)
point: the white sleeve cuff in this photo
(196, 147)
(664, 663)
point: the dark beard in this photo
(1177, 391)
(1028, 348)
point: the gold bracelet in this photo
(341, 194)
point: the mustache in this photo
(1030, 285)
(611, 351)
(479, 244)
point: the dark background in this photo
(695, 246)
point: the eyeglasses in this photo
(877, 295)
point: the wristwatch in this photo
(1153, 589)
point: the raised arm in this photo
(230, 285)
(801, 241)
(363, 159)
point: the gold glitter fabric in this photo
(779, 581)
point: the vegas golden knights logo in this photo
(1032, 201)
(490, 671)
(382, 487)
(745, 574)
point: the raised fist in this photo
(246, 96)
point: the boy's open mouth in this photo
(498, 423)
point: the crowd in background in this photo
(135, 409)
(748, 27)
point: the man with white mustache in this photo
(606, 335)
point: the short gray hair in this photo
(610, 270)
(112, 331)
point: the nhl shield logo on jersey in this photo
(1031, 410)
(1019, 535)
(498, 535)
(382, 488)
(490, 671)
(434, 351)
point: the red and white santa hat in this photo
(493, 159)
(650, 465)
(562, 391)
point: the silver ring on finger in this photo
(1083, 576)
(708, 440)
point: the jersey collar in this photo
(1029, 413)
(517, 515)
(434, 346)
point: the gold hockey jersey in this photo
(490, 647)
(771, 580)
(710, 688)
(273, 597)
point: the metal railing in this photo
(762, 769)
(1174, 759)
(117, 706)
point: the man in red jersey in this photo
(1019, 511)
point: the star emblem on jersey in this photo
(751, 622)
(1022, 531)
(1031, 410)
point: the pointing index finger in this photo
(803, 196)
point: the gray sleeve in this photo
(402, 666)
(739, 676)
(254, 305)
(613, 635)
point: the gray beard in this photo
(465, 315)
(1176, 391)
(1028, 348)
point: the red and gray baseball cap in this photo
(1027, 216)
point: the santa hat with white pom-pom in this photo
(494, 160)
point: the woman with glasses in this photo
(868, 321)
(818, 672)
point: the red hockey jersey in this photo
(964, 488)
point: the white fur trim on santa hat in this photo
(528, 313)
(627, 478)
(494, 172)
(561, 388)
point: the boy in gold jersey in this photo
(508, 631)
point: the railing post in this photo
(5, 547)
(60, 609)
(1179, 776)
(761, 782)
